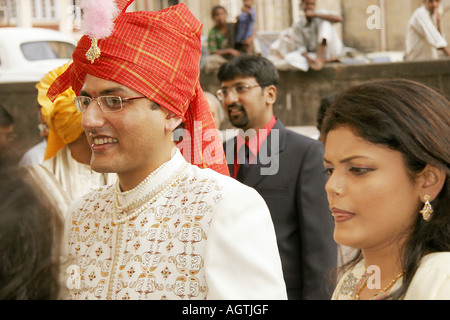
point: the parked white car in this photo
(27, 54)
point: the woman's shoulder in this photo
(432, 278)
(437, 260)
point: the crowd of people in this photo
(138, 195)
(310, 43)
(313, 41)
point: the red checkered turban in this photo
(157, 54)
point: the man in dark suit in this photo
(286, 169)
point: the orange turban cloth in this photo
(156, 53)
(61, 116)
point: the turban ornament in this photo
(98, 23)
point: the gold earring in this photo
(427, 210)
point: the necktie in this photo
(243, 155)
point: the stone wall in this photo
(299, 93)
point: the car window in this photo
(42, 50)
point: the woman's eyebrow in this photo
(346, 159)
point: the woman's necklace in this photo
(379, 295)
(147, 200)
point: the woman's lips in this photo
(341, 215)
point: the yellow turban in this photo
(61, 116)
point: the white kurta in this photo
(431, 281)
(35, 155)
(422, 36)
(201, 235)
(309, 35)
(67, 179)
(76, 178)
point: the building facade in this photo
(369, 25)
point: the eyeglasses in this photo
(238, 89)
(106, 103)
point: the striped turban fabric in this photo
(156, 53)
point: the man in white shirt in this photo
(424, 37)
(316, 35)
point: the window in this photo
(44, 10)
(8, 11)
(43, 50)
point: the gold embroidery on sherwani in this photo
(157, 255)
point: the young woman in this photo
(387, 151)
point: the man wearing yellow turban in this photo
(61, 116)
(65, 172)
(175, 225)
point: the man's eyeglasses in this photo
(238, 89)
(106, 103)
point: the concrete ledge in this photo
(299, 93)
(298, 98)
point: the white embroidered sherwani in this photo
(203, 236)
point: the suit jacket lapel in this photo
(274, 145)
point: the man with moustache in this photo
(286, 169)
(171, 227)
